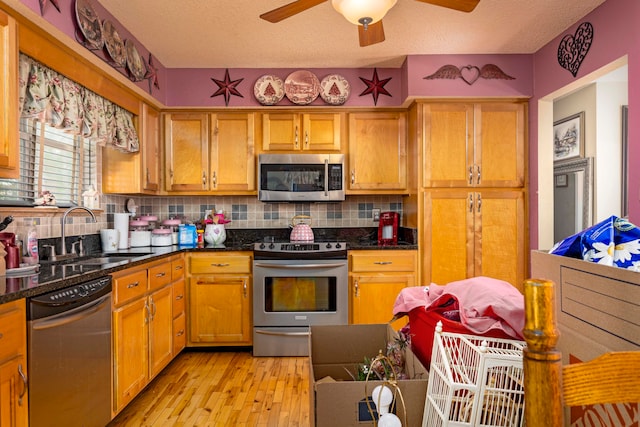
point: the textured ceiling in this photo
(230, 34)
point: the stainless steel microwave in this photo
(301, 177)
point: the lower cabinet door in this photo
(14, 410)
(373, 297)
(220, 309)
(160, 324)
(130, 351)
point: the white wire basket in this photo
(474, 381)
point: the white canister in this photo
(161, 237)
(109, 238)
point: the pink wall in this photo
(65, 21)
(616, 33)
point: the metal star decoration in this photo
(152, 74)
(375, 86)
(43, 4)
(227, 87)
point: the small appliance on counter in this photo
(388, 229)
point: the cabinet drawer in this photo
(178, 298)
(220, 264)
(179, 333)
(129, 286)
(160, 275)
(177, 269)
(384, 261)
(12, 329)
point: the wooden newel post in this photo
(541, 359)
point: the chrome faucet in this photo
(63, 223)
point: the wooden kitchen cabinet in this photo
(232, 162)
(9, 139)
(377, 153)
(474, 144)
(186, 145)
(376, 278)
(179, 304)
(135, 173)
(14, 407)
(142, 327)
(302, 131)
(220, 299)
(207, 153)
(469, 234)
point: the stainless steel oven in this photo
(296, 285)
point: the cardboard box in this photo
(597, 309)
(339, 400)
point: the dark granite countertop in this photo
(54, 276)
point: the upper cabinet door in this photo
(232, 152)
(150, 148)
(9, 140)
(448, 145)
(500, 144)
(302, 131)
(377, 152)
(474, 145)
(186, 138)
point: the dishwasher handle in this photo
(74, 315)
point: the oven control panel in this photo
(306, 250)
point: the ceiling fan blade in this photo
(288, 10)
(372, 35)
(461, 5)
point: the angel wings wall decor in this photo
(470, 73)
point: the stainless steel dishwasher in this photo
(69, 356)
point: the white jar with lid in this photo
(161, 237)
(140, 234)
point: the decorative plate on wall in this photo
(334, 89)
(302, 87)
(134, 62)
(269, 89)
(114, 44)
(89, 23)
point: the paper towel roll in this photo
(121, 223)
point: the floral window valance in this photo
(64, 104)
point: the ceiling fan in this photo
(367, 15)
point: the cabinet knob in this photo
(383, 262)
(214, 180)
(296, 137)
(356, 289)
(478, 175)
(470, 175)
(353, 176)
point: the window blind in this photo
(50, 160)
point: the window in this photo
(51, 160)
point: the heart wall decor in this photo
(574, 48)
(470, 73)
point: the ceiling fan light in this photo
(355, 10)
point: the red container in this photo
(422, 326)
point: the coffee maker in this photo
(388, 229)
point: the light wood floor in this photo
(224, 388)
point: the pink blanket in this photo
(484, 304)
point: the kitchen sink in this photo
(102, 260)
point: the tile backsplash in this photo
(244, 212)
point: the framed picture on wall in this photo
(568, 138)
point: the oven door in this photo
(290, 293)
